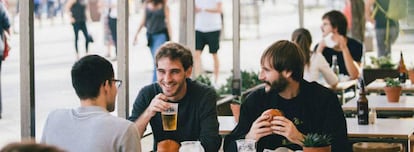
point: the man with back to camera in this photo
(197, 115)
(347, 50)
(91, 127)
(307, 107)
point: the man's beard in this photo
(278, 85)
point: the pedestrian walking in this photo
(156, 18)
(78, 12)
(208, 26)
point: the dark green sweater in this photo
(197, 115)
(315, 110)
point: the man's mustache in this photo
(266, 82)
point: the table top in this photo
(379, 84)
(390, 127)
(406, 103)
(342, 85)
(226, 124)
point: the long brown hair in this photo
(285, 55)
(303, 38)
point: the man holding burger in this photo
(305, 107)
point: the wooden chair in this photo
(376, 147)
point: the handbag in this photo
(7, 46)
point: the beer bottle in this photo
(335, 66)
(362, 104)
(402, 71)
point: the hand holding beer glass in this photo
(169, 117)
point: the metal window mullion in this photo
(301, 13)
(123, 60)
(236, 48)
(27, 84)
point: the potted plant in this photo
(249, 81)
(314, 142)
(392, 89)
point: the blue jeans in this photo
(384, 48)
(156, 41)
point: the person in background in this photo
(91, 127)
(156, 18)
(315, 63)
(307, 107)
(78, 9)
(29, 146)
(112, 19)
(38, 10)
(347, 50)
(197, 115)
(208, 25)
(104, 8)
(380, 21)
(4, 28)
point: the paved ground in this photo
(54, 56)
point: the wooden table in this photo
(226, 124)
(378, 85)
(341, 87)
(406, 103)
(384, 130)
(403, 108)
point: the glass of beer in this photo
(169, 118)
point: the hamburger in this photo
(272, 113)
(168, 145)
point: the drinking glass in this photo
(169, 118)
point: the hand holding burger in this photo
(272, 113)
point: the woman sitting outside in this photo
(315, 62)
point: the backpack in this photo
(397, 9)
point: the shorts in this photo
(209, 38)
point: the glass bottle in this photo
(362, 104)
(335, 66)
(372, 115)
(402, 70)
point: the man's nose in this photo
(261, 75)
(167, 77)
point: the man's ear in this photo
(106, 85)
(188, 72)
(286, 74)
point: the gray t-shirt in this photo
(90, 129)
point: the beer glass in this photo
(169, 117)
(246, 145)
(193, 146)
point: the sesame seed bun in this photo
(272, 113)
(168, 145)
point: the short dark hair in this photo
(29, 146)
(285, 55)
(175, 51)
(89, 73)
(303, 39)
(337, 20)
